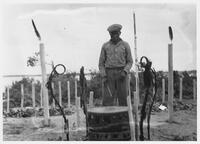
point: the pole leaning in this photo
(136, 59)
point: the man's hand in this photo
(123, 75)
(103, 74)
(104, 79)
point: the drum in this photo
(108, 123)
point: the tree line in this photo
(95, 85)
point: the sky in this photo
(73, 34)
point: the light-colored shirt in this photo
(115, 55)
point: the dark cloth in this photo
(117, 86)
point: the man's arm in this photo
(129, 59)
(102, 60)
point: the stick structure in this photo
(194, 89)
(22, 96)
(77, 106)
(170, 82)
(130, 112)
(181, 89)
(68, 92)
(163, 90)
(8, 99)
(77, 111)
(60, 93)
(41, 97)
(136, 116)
(33, 95)
(136, 59)
(53, 101)
(91, 99)
(44, 89)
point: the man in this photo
(114, 64)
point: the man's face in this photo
(115, 35)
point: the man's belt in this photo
(114, 68)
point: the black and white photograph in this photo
(99, 71)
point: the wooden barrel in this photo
(108, 123)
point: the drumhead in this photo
(108, 109)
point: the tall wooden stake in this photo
(68, 93)
(130, 112)
(136, 116)
(170, 82)
(22, 96)
(163, 90)
(91, 98)
(33, 95)
(41, 97)
(194, 89)
(75, 83)
(8, 99)
(53, 102)
(44, 89)
(181, 89)
(136, 60)
(60, 93)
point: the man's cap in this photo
(114, 27)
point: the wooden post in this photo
(53, 101)
(75, 88)
(60, 93)
(163, 90)
(68, 93)
(77, 106)
(91, 98)
(181, 89)
(33, 95)
(194, 89)
(77, 111)
(136, 116)
(136, 59)
(130, 112)
(8, 99)
(22, 96)
(170, 82)
(41, 97)
(44, 89)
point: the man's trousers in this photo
(115, 88)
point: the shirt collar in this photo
(116, 43)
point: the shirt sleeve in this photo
(102, 60)
(129, 59)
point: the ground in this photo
(183, 127)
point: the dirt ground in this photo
(183, 127)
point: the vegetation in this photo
(94, 84)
